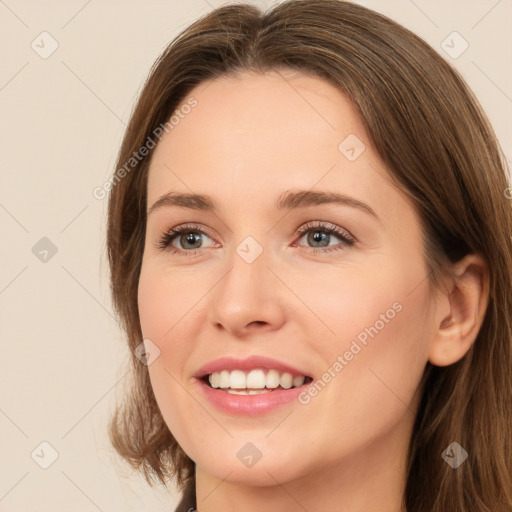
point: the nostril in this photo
(259, 322)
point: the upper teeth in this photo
(255, 379)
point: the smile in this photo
(250, 386)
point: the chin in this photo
(241, 461)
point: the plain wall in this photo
(63, 363)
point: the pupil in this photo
(189, 238)
(318, 236)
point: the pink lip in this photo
(250, 363)
(248, 404)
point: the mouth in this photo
(250, 386)
(254, 382)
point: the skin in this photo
(248, 140)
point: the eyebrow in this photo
(287, 201)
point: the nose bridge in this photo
(248, 293)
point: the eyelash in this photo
(164, 244)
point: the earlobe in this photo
(467, 297)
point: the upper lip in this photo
(250, 363)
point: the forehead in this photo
(274, 103)
(256, 126)
(250, 139)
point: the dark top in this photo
(188, 501)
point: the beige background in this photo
(63, 356)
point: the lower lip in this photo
(250, 405)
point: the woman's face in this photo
(260, 273)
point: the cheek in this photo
(167, 316)
(151, 306)
(166, 303)
(383, 357)
(359, 302)
(372, 388)
(377, 341)
(170, 311)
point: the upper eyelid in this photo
(304, 229)
(191, 228)
(304, 226)
(319, 224)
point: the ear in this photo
(460, 311)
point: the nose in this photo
(249, 298)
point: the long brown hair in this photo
(439, 147)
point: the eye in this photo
(189, 237)
(320, 235)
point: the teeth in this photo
(254, 382)
(255, 379)
(215, 380)
(238, 380)
(223, 379)
(286, 380)
(298, 380)
(272, 380)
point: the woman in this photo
(337, 335)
